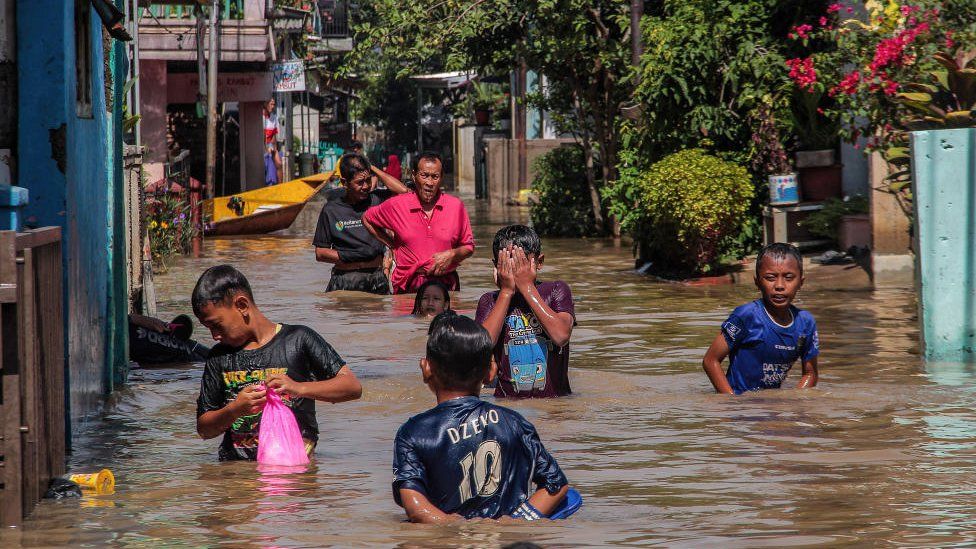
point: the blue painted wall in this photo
(944, 184)
(80, 195)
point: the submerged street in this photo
(879, 452)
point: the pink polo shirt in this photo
(417, 238)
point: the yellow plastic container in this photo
(102, 482)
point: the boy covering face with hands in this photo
(530, 322)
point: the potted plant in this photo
(482, 98)
(844, 221)
(768, 157)
(817, 138)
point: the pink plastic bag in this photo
(279, 439)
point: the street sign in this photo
(289, 76)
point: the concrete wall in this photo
(464, 165)
(69, 164)
(153, 97)
(891, 256)
(502, 165)
(252, 145)
(855, 173)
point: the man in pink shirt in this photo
(428, 231)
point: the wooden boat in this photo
(263, 210)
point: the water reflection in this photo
(879, 453)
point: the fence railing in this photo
(230, 9)
(32, 384)
(332, 19)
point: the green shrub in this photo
(682, 210)
(563, 206)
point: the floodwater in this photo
(880, 453)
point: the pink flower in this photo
(802, 72)
(850, 9)
(848, 85)
(834, 8)
(803, 31)
(907, 10)
(823, 21)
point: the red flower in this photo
(834, 8)
(848, 85)
(949, 43)
(803, 31)
(802, 72)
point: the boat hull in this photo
(256, 223)
(263, 210)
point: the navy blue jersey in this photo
(472, 458)
(761, 352)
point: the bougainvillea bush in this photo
(870, 62)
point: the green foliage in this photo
(581, 46)
(563, 205)
(170, 230)
(707, 65)
(683, 209)
(825, 223)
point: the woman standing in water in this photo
(272, 160)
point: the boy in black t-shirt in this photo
(466, 457)
(340, 237)
(254, 355)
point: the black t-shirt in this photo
(340, 226)
(152, 347)
(296, 351)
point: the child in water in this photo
(530, 322)
(433, 298)
(254, 355)
(765, 337)
(467, 458)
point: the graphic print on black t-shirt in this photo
(340, 226)
(472, 458)
(296, 351)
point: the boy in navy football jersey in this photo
(467, 458)
(765, 337)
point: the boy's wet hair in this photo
(219, 284)
(517, 235)
(423, 288)
(780, 251)
(460, 349)
(426, 155)
(352, 164)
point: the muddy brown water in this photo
(880, 453)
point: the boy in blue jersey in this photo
(467, 458)
(764, 338)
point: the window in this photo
(83, 61)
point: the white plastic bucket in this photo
(783, 190)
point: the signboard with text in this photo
(289, 76)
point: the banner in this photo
(289, 76)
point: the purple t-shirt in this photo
(529, 365)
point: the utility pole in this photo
(214, 55)
(636, 47)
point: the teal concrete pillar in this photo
(944, 178)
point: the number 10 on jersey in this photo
(484, 468)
